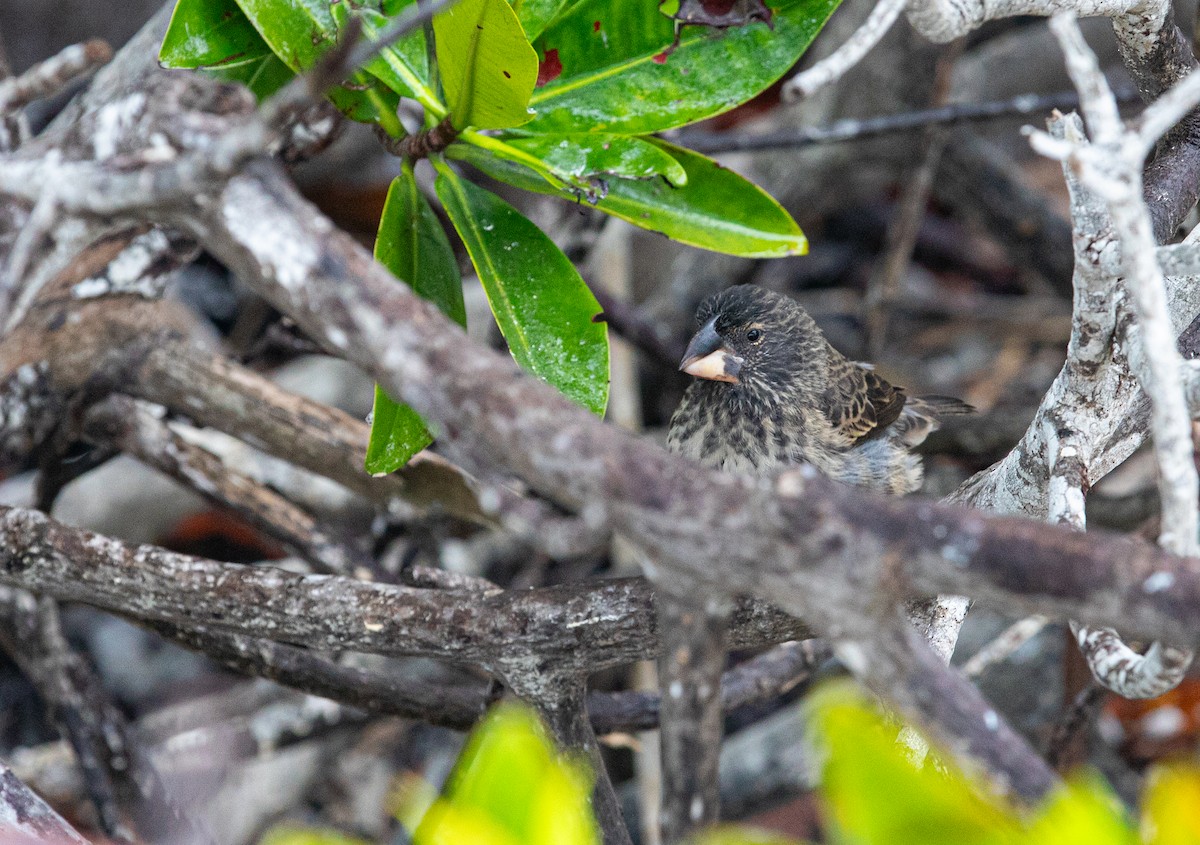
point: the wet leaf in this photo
(541, 304)
(582, 158)
(622, 70)
(488, 68)
(216, 36)
(412, 244)
(536, 14)
(404, 65)
(866, 771)
(715, 209)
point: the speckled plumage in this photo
(797, 399)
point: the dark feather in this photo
(859, 404)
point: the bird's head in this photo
(753, 337)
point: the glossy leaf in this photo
(615, 68)
(582, 158)
(299, 32)
(716, 209)
(486, 64)
(535, 15)
(541, 304)
(412, 244)
(216, 36)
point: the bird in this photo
(772, 393)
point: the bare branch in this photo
(52, 75)
(945, 20)
(137, 429)
(1004, 645)
(833, 67)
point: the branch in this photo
(834, 66)
(692, 660)
(944, 20)
(561, 701)
(857, 129)
(581, 628)
(52, 75)
(27, 818)
(138, 430)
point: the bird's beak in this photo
(708, 357)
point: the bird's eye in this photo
(754, 335)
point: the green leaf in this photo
(404, 65)
(412, 244)
(618, 71)
(716, 209)
(501, 766)
(536, 14)
(214, 35)
(541, 304)
(510, 785)
(397, 433)
(299, 32)
(449, 824)
(487, 67)
(867, 772)
(1084, 812)
(582, 158)
(291, 834)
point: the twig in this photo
(944, 20)
(137, 429)
(1161, 374)
(1005, 644)
(231, 398)
(31, 636)
(118, 773)
(408, 21)
(1083, 710)
(1127, 673)
(52, 75)
(763, 678)
(953, 114)
(850, 53)
(646, 334)
(14, 125)
(449, 705)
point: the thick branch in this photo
(580, 628)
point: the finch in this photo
(770, 392)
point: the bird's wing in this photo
(860, 404)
